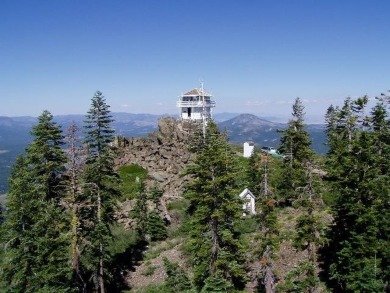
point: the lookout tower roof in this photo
(196, 93)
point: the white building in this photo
(248, 206)
(248, 149)
(195, 105)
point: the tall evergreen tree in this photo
(156, 226)
(37, 241)
(254, 173)
(331, 127)
(1, 214)
(155, 194)
(100, 181)
(359, 253)
(269, 229)
(18, 257)
(214, 211)
(310, 230)
(296, 144)
(75, 200)
(259, 183)
(177, 280)
(140, 211)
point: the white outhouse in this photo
(248, 148)
(195, 105)
(248, 206)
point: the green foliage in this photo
(296, 144)
(177, 280)
(140, 211)
(149, 270)
(37, 243)
(358, 160)
(100, 182)
(1, 214)
(254, 173)
(155, 194)
(214, 211)
(156, 227)
(178, 205)
(155, 249)
(247, 225)
(217, 283)
(130, 184)
(178, 210)
(122, 239)
(269, 240)
(301, 279)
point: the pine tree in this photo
(155, 194)
(269, 227)
(156, 227)
(99, 187)
(309, 236)
(380, 125)
(18, 256)
(140, 211)
(331, 128)
(1, 214)
(254, 173)
(214, 211)
(296, 144)
(75, 200)
(177, 280)
(37, 254)
(358, 249)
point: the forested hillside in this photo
(91, 213)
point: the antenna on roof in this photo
(203, 110)
(201, 84)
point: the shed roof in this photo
(245, 193)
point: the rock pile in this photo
(164, 153)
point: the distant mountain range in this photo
(248, 127)
(14, 132)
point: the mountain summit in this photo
(248, 127)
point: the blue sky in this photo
(253, 56)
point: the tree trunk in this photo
(101, 267)
(214, 248)
(269, 277)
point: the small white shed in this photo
(248, 148)
(249, 202)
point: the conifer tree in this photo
(177, 280)
(269, 227)
(295, 143)
(331, 128)
(99, 182)
(156, 227)
(1, 214)
(254, 173)
(37, 241)
(214, 211)
(140, 211)
(18, 258)
(75, 200)
(155, 194)
(358, 249)
(309, 236)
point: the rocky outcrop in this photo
(164, 153)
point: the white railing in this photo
(195, 104)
